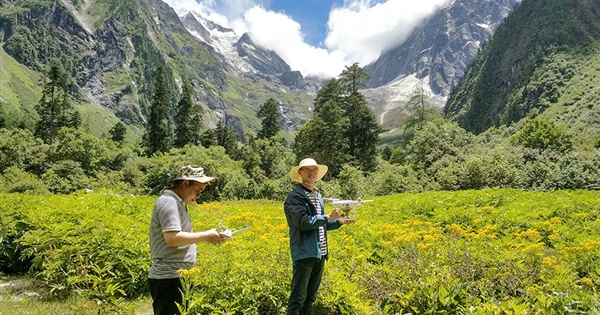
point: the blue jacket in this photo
(304, 224)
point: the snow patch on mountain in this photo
(397, 93)
(222, 39)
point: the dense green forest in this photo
(537, 154)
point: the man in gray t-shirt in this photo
(172, 240)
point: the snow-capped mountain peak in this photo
(223, 40)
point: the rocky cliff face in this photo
(263, 60)
(260, 66)
(437, 52)
(239, 54)
(443, 45)
(111, 47)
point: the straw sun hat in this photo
(295, 174)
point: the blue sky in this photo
(318, 37)
(311, 14)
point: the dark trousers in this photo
(306, 279)
(165, 292)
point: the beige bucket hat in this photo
(194, 173)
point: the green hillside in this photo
(543, 56)
(19, 92)
(111, 49)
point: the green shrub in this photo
(392, 179)
(93, 242)
(543, 134)
(18, 181)
(65, 177)
(277, 189)
(352, 182)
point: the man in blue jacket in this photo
(308, 223)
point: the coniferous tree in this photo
(331, 91)
(225, 137)
(2, 115)
(366, 131)
(270, 115)
(55, 108)
(352, 78)
(418, 104)
(156, 138)
(117, 132)
(186, 128)
(324, 138)
(75, 120)
(197, 126)
(346, 129)
(363, 130)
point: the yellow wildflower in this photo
(587, 281)
(422, 246)
(556, 220)
(529, 234)
(188, 272)
(572, 249)
(533, 248)
(549, 261)
(430, 238)
(534, 288)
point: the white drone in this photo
(346, 205)
(223, 230)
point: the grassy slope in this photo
(578, 107)
(25, 296)
(20, 89)
(244, 98)
(98, 121)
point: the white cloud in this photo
(278, 32)
(362, 31)
(358, 31)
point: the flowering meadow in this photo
(495, 251)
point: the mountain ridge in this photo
(529, 65)
(437, 51)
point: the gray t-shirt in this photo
(169, 214)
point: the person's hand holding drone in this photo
(334, 214)
(347, 220)
(337, 214)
